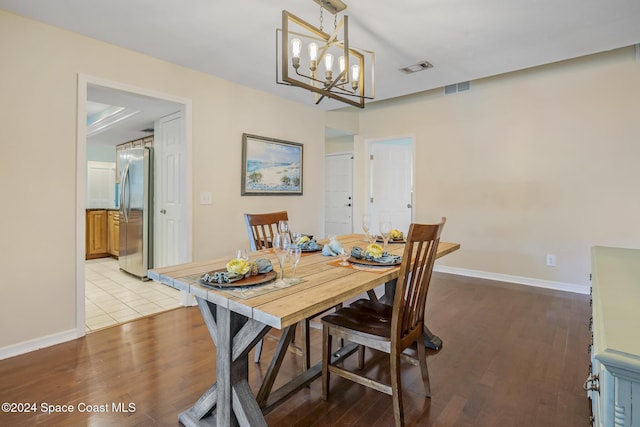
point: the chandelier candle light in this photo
(299, 66)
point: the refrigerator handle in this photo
(121, 195)
(124, 200)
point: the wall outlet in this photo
(206, 198)
(551, 260)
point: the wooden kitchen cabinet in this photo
(96, 234)
(113, 226)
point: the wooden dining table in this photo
(237, 319)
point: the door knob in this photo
(409, 205)
(348, 204)
(163, 211)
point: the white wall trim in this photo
(81, 189)
(37, 343)
(339, 153)
(529, 281)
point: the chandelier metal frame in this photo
(346, 87)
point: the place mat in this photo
(258, 279)
(247, 293)
(302, 254)
(242, 293)
(380, 269)
(379, 239)
(355, 260)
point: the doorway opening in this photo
(151, 106)
(390, 183)
(339, 193)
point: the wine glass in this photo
(296, 238)
(242, 254)
(283, 227)
(366, 227)
(344, 255)
(281, 246)
(385, 230)
(295, 252)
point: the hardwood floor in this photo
(512, 356)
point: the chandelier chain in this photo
(335, 19)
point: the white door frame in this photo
(81, 173)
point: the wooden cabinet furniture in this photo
(102, 233)
(614, 381)
(113, 226)
(143, 142)
(96, 233)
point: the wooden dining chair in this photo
(262, 227)
(390, 329)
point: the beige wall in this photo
(339, 144)
(525, 164)
(535, 162)
(38, 83)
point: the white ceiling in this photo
(463, 39)
(149, 109)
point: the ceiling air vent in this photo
(458, 87)
(420, 66)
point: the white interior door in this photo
(338, 208)
(170, 238)
(391, 183)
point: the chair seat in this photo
(378, 308)
(365, 316)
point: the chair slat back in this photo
(413, 282)
(261, 228)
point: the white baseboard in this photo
(38, 343)
(529, 281)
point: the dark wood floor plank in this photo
(513, 355)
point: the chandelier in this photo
(323, 63)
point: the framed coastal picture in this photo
(270, 166)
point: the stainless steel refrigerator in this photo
(136, 207)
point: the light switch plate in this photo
(206, 198)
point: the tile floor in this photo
(113, 296)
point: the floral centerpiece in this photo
(239, 266)
(302, 240)
(396, 234)
(374, 250)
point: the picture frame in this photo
(271, 167)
